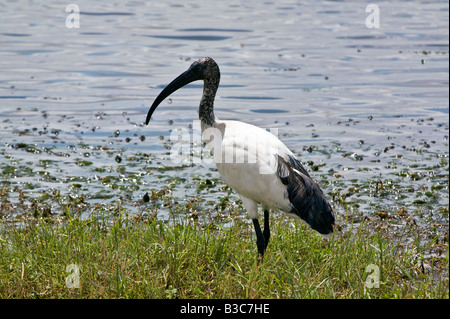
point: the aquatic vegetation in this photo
(84, 182)
(392, 211)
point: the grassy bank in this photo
(126, 257)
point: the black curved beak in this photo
(186, 77)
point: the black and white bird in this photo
(254, 162)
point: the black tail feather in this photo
(306, 197)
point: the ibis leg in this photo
(266, 232)
(260, 242)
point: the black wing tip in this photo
(319, 215)
(306, 197)
(324, 224)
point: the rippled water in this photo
(356, 104)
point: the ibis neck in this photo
(206, 109)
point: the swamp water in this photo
(366, 109)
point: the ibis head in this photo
(203, 69)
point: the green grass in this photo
(126, 257)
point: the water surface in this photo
(359, 106)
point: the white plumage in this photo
(252, 173)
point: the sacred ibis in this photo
(254, 162)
